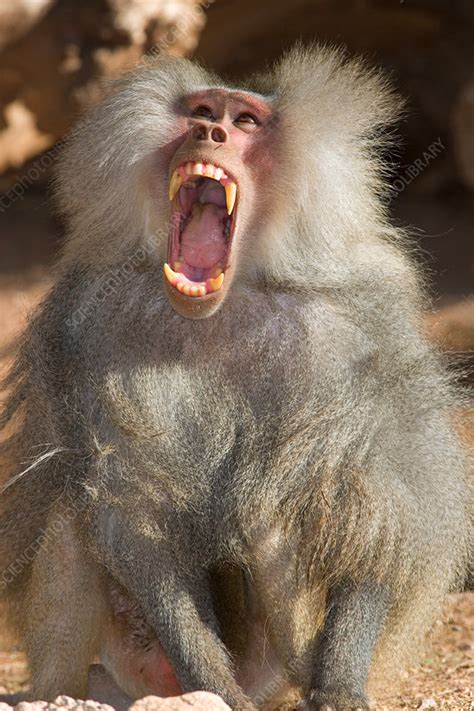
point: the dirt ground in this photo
(444, 680)
(446, 674)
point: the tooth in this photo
(217, 272)
(195, 290)
(209, 171)
(198, 169)
(170, 274)
(177, 265)
(202, 290)
(180, 286)
(189, 168)
(216, 283)
(186, 289)
(175, 184)
(230, 195)
(218, 173)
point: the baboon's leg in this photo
(283, 618)
(63, 614)
(262, 672)
(344, 649)
(176, 600)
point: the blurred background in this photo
(54, 58)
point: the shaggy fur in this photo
(302, 434)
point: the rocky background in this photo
(56, 55)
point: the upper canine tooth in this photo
(170, 274)
(230, 196)
(216, 283)
(175, 184)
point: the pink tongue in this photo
(202, 241)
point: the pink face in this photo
(236, 114)
(221, 162)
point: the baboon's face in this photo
(218, 178)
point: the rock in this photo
(55, 55)
(427, 704)
(65, 702)
(60, 703)
(17, 17)
(198, 700)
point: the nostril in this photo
(204, 132)
(218, 135)
(200, 132)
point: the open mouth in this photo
(202, 224)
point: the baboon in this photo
(231, 463)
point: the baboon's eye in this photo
(247, 118)
(203, 112)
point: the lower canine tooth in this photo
(216, 283)
(170, 274)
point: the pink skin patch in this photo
(132, 652)
(152, 670)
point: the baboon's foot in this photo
(332, 701)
